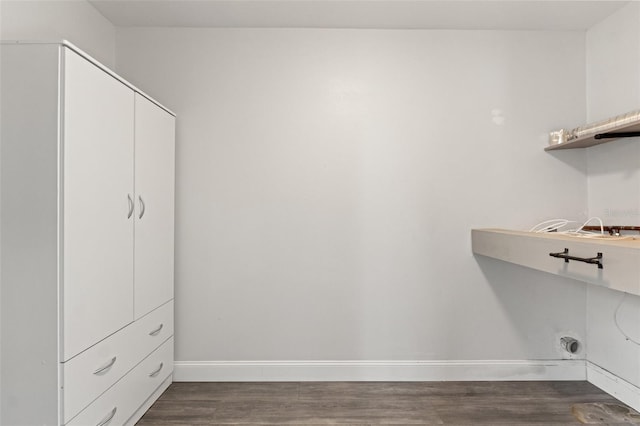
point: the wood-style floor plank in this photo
(374, 403)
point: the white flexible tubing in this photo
(615, 320)
(553, 224)
(589, 220)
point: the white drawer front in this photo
(121, 401)
(88, 375)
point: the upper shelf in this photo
(621, 126)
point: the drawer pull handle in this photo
(107, 419)
(592, 260)
(106, 366)
(156, 372)
(156, 331)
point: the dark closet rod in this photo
(597, 260)
(613, 229)
(616, 135)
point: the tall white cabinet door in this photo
(154, 179)
(98, 196)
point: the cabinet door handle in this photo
(157, 371)
(107, 419)
(106, 366)
(130, 206)
(156, 331)
(142, 207)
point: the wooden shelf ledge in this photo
(620, 258)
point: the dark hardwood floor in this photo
(374, 403)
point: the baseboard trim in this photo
(262, 371)
(614, 385)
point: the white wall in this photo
(51, 20)
(613, 87)
(327, 181)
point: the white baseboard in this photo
(263, 371)
(614, 385)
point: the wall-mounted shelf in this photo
(622, 126)
(610, 263)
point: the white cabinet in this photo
(120, 402)
(154, 130)
(87, 189)
(98, 191)
(115, 356)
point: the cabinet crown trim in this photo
(85, 55)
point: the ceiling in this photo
(392, 14)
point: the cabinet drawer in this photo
(122, 400)
(89, 374)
